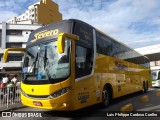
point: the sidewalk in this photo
(10, 98)
(12, 107)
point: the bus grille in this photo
(38, 97)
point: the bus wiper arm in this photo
(32, 66)
(45, 58)
(34, 63)
(48, 75)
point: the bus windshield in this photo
(154, 75)
(43, 62)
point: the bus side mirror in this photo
(61, 40)
(5, 55)
(61, 43)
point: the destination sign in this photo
(44, 34)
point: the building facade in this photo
(43, 12)
(14, 36)
(153, 53)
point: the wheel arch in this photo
(109, 86)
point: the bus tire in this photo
(106, 96)
(145, 87)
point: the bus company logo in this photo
(120, 66)
(32, 90)
(44, 34)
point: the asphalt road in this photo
(98, 113)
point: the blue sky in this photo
(133, 22)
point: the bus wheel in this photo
(145, 87)
(106, 96)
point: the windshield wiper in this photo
(45, 64)
(45, 57)
(48, 75)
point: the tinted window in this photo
(104, 45)
(85, 32)
(107, 46)
(84, 61)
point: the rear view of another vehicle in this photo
(156, 78)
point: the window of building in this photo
(14, 45)
(14, 58)
(35, 10)
(0, 37)
(18, 19)
(14, 32)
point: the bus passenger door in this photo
(83, 75)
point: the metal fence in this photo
(10, 97)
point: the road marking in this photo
(150, 108)
(148, 105)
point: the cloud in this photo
(129, 21)
(6, 15)
(15, 6)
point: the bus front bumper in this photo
(50, 104)
(156, 83)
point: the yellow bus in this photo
(69, 65)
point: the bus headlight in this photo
(60, 92)
(23, 93)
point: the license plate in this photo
(37, 103)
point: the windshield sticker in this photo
(39, 75)
(27, 69)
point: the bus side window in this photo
(84, 61)
(26, 62)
